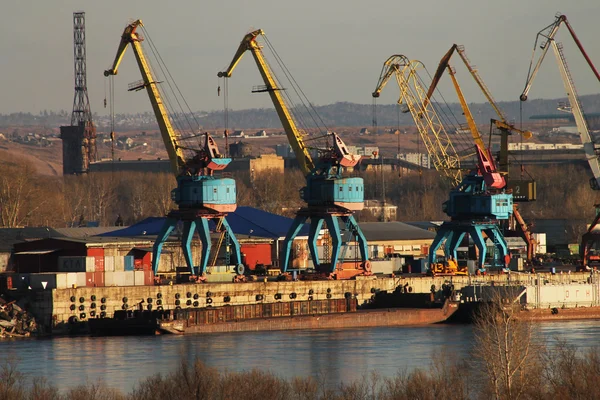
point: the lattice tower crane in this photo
(523, 190)
(200, 195)
(442, 152)
(476, 203)
(328, 195)
(546, 39)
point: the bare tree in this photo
(504, 349)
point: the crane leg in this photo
(352, 225)
(204, 233)
(447, 244)
(499, 242)
(455, 241)
(442, 234)
(163, 235)
(475, 233)
(336, 239)
(239, 267)
(315, 227)
(289, 239)
(186, 239)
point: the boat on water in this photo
(293, 315)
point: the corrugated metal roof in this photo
(386, 231)
(244, 221)
(35, 252)
(84, 232)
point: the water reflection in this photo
(333, 355)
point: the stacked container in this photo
(71, 264)
(129, 263)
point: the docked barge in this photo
(294, 315)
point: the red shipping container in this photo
(95, 252)
(147, 262)
(99, 279)
(99, 263)
(253, 254)
(94, 279)
(148, 277)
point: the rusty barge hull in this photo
(359, 319)
(561, 314)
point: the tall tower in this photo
(79, 139)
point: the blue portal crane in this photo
(475, 207)
(478, 202)
(200, 195)
(328, 195)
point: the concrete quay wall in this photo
(55, 307)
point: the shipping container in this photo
(71, 279)
(116, 278)
(90, 264)
(256, 254)
(94, 279)
(138, 279)
(109, 263)
(95, 252)
(81, 279)
(129, 278)
(99, 263)
(61, 280)
(128, 263)
(148, 277)
(71, 264)
(119, 264)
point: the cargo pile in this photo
(90, 271)
(14, 321)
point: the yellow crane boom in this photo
(294, 134)
(170, 136)
(440, 148)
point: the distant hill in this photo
(337, 114)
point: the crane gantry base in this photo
(316, 222)
(453, 232)
(195, 221)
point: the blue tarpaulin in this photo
(244, 221)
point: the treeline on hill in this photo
(30, 199)
(337, 114)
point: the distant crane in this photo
(522, 190)
(477, 202)
(200, 195)
(328, 195)
(546, 38)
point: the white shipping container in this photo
(119, 278)
(90, 264)
(71, 279)
(109, 263)
(128, 278)
(540, 238)
(139, 278)
(81, 279)
(120, 263)
(61, 280)
(71, 264)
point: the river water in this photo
(335, 355)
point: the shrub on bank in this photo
(566, 374)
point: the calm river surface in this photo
(338, 355)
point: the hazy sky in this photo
(334, 49)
